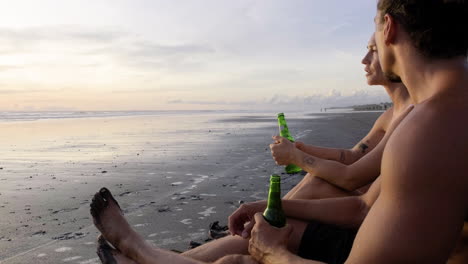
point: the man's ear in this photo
(390, 29)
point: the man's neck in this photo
(425, 78)
(398, 94)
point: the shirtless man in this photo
(340, 172)
(422, 178)
(418, 213)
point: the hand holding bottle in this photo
(245, 215)
(284, 132)
(283, 151)
(266, 240)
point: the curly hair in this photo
(437, 28)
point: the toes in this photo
(97, 205)
(107, 195)
(102, 241)
(105, 255)
(104, 252)
(100, 200)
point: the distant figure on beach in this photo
(412, 213)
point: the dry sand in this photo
(169, 196)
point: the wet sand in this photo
(170, 192)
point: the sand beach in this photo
(172, 173)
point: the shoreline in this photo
(170, 201)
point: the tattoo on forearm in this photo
(363, 147)
(342, 156)
(309, 160)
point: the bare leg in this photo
(311, 187)
(229, 245)
(108, 218)
(108, 255)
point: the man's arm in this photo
(349, 156)
(418, 216)
(343, 211)
(348, 177)
(347, 211)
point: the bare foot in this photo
(109, 219)
(108, 255)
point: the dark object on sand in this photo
(194, 244)
(216, 231)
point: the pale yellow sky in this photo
(150, 55)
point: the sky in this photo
(184, 54)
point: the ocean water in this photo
(112, 135)
(43, 115)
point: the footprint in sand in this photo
(72, 258)
(186, 221)
(208, 194)
(208, 211)
(90, 261)
(63, 249)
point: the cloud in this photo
(9, 67)
(32, 39)
(333, 99)
(25, 91)
(317, 101)
(200, 102)
(150, 55)
(102, 45)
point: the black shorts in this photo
(327, 243)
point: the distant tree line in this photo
(370, 107)
(366, 107)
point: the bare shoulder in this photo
(422, 204)
(431, 141)
(384, 120)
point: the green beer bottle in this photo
(284, 132)
(274, 214)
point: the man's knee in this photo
(312, 187)
(312, 180)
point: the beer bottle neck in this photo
(274, 195)
(283, 127)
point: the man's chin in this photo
(372, 81)
(393, 77)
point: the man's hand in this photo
(245, 215)
(267, 240)
(300, 145)
(283, 151)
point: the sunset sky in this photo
(184, 54)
